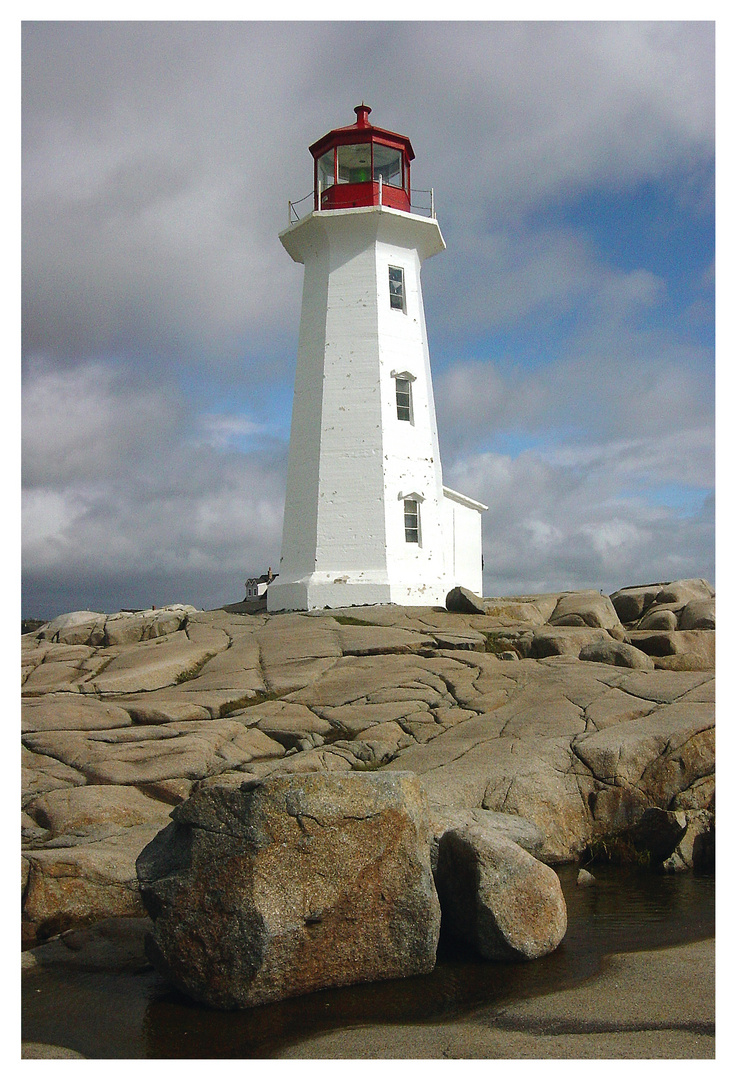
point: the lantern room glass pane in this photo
(326, 170)
(387, 164)
(354, 164)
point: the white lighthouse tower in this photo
(367, 519)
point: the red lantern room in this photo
(362, 165)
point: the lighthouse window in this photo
(403, 399)
(396, 288)
(411, 521)
(387, 164)
(354, 164)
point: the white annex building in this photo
(367, 518)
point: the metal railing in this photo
(293, 212)
(419, 207)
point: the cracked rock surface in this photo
(498, 712)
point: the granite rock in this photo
(266, 890)
(497, 898)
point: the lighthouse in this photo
(367, 518)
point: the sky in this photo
(570, 320)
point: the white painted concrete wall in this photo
(464, 542)
(351, 460)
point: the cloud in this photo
(124, 507)
(92, 422)
(224, 431)
(553, 526)
(158, 158)
(622, 394)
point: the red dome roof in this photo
(361, 131)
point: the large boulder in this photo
(586, 608)
(497, 898)
(262, 890)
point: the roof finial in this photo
(361, 111)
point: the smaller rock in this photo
(464, 601)
(585, 878)
(498, 898)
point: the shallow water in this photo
(137, 1016)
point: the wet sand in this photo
(658, 1004)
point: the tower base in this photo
(339, 590)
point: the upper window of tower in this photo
(411, 521)
(396, 288)
(403, 399)
(354, 163)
